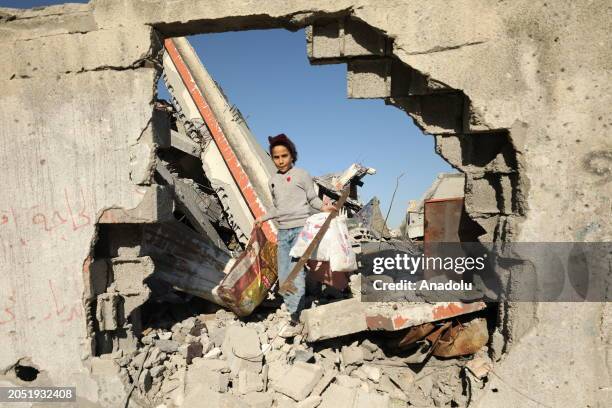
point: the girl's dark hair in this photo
(283, 140)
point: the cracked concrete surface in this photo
(78, 92)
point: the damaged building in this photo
(121, 214)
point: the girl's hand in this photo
(328, 208)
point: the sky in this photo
(266, 74)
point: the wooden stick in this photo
(287, 286)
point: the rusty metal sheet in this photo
(442, 219)
(462, 339)
(185, 259)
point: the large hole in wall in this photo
(130, 299)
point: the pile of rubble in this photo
(225, 361)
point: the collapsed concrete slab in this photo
(234, 161)
(352, 316)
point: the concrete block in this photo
(337, 396)
(371, 400)
(436, 113)
(242, 349)
(346, 38)
(449, 147)
(352, 355)
(323, 41)
(360, 39)
(481, 195)
(156, 206)
(277, 369)
(249, 381)
(369, 78)
(335, 319)
(107, 311)
(185, 144)
(299, 381)
(387, 77)
(167, 346)
(202, 372)
(129, 274)
(119, 241)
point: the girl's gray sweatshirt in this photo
(294, 198)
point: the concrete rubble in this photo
(257, 368)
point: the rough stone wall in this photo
(76, 140)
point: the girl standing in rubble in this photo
(294, 197)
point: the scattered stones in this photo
(222, 362)
(352, 355)
(165, 335)
(480, 366)
(371, 372)
(193, 350)
(213, 353)
(156, 356)
(145, 380)
(167, 346)
(157, 371)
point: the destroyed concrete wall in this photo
(516, 95)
